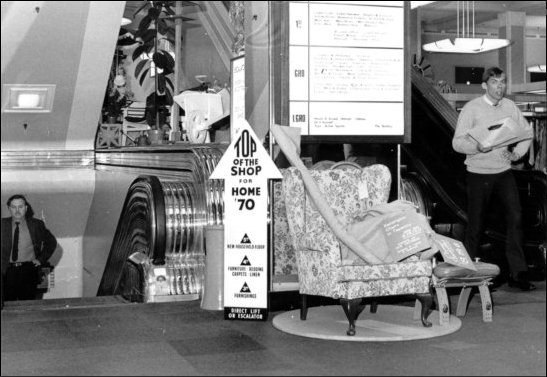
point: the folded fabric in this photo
(392, 231)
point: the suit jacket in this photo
(44, 242)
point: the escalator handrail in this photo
(156, 241)
(433, 97)
(435, 185)
(158, 213)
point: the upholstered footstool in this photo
(446, 275)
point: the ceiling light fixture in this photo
(465, 42)
(416, 4)
(537, 68)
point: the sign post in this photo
(245, 168)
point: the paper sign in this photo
(454, 252)
(237, 83)
(161, 284)
(404, 236)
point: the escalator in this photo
(140, 235)
(439, 173)
(158, 250)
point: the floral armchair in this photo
(325, 266)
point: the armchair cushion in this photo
(387, 271)
(379, 288)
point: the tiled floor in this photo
(182, 339)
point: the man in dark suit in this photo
(26, 245)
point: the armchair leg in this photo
(427, 301)
(373, 306)
(352, 308)
(303, 307)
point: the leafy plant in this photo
(152, 29)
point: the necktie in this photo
(15, 248)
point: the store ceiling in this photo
(439, 16)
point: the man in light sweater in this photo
(489, 171)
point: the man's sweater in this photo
(481, 112)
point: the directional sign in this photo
(245, 168)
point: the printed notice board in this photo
(347, 68)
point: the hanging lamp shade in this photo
(465, 42)
(466, 45)
(537, 68)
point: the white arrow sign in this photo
(245, 168)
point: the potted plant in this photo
(155, 63)
(116, 100)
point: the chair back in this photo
(349, 192)
(135, 112)
(134, 121)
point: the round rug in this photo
(390, 323)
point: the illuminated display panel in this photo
(22, 98)
(347, 70)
